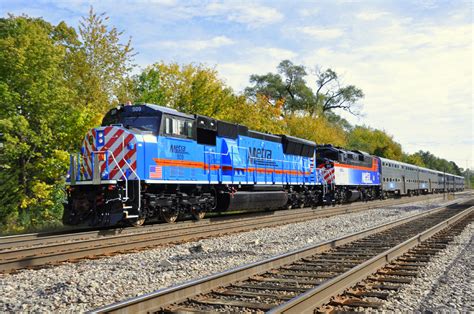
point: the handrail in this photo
(124, 175)
(120, 169)
(139, 185)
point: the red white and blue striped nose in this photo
(116, 148)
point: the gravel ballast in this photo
(445, 285)
(92, 283)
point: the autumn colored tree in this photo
(319, 130)
(188, 88)
(260, 115)
(198, 89)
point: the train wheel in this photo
(139, 222)
(169, 214)
(198, 214)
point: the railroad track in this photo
(372, 291)
(305, 280)
(36, 250)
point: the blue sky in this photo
(413, 59)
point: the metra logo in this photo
(260, 153)
(178, 149)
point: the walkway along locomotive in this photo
(148, 162)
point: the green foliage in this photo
(413, 159)
(331, 95)
(53, 87)
(374, 142)
(469, 178)
(35, 96)
(440, 164)
(101, 67)
(289, 87)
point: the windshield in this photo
(141, 123)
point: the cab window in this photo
(178, 127)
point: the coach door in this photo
(404, 185)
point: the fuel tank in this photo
(241, 200)
(353, 195)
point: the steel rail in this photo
(158, 300)
(11, 260)
(25, 240)
(109, 241)
(307, 302)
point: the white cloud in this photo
(306, 12)
(321, 33)
(417, 79)
(196, 45)
(259, 60)
(251, 14)
(370, 15)
(273, 53)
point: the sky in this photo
(412, 59)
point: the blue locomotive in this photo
(148, 162)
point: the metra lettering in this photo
(260, 153)
(178, 149)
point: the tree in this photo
(187, 88)
(34, 96)
(374, 142)
(319, 130)
(53, 87)
(260, 115)
(331, 95)
(413, 159)
(289, 86)
(436, 163)
(101, 68)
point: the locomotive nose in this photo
(109, 153)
